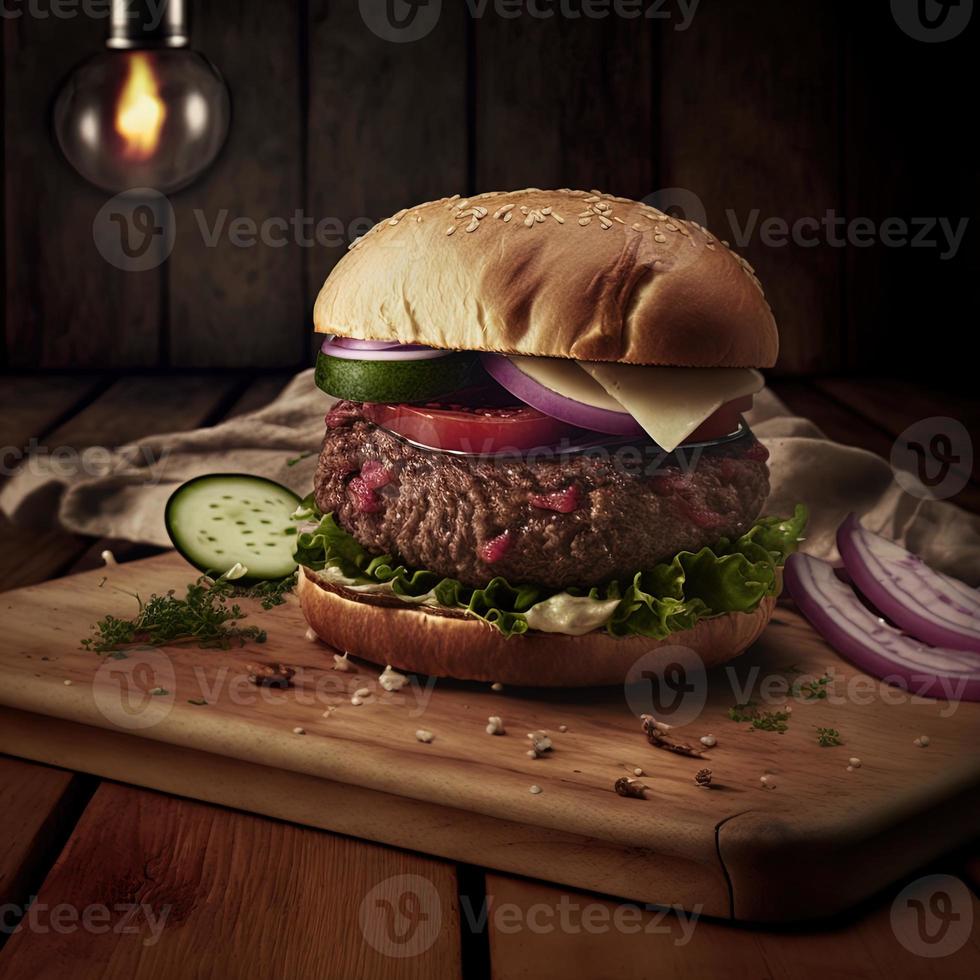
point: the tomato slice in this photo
(478, 423)
(483, 430)
(723, 423)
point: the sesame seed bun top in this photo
(552, 273)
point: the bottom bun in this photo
(447, 643)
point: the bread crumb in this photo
(299, 731)
(535, 789)
(424, 736)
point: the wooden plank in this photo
(396, 138)
(565, 102)
(756, 139)
(894, 405)
(231, 303)
(38, 806)
(859, 830)
(259, 393)
(219, 893)
(129, 409)
(344, 808)
(540, 932)
(29, 556)
(66, 305)
(31, 405)
(894, 323)
(146, 405)
(849, 425)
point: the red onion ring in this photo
(365, 344)
(843, 620)
(400, 352)
(535, 394)
(933, 607)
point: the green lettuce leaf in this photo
(732, 576)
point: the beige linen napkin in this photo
(122, 494)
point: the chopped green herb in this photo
(763, 721)
(828, 736)
(815, 690)
(743, 712)
(771, 721)
(203, 616)
(197, 701)
(270, 593)
(299, 458)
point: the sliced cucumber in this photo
(394, 381)
(217, 520)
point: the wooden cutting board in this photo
(820, 839)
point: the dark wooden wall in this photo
(791, 107)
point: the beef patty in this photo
(577, 519)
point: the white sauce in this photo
(572, 615)
(562, 613)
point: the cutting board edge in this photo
(554, 856)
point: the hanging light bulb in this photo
(148, 112)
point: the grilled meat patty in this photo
(576, 519)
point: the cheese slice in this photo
(567, 378)
(671, 402)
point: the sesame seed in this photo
(584, 221)
(480, 211)
(451, 230)
(587, 213)
(392, 221)
(529, 221)
(546, 210)
(535, 790)
(620, 220)
(636, 227)
(605, 222)
(502, 210)
(508, 216)
(558, 217)
(473, 225)
(660, 238)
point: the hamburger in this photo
(536, 467)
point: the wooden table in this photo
(131, 883)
